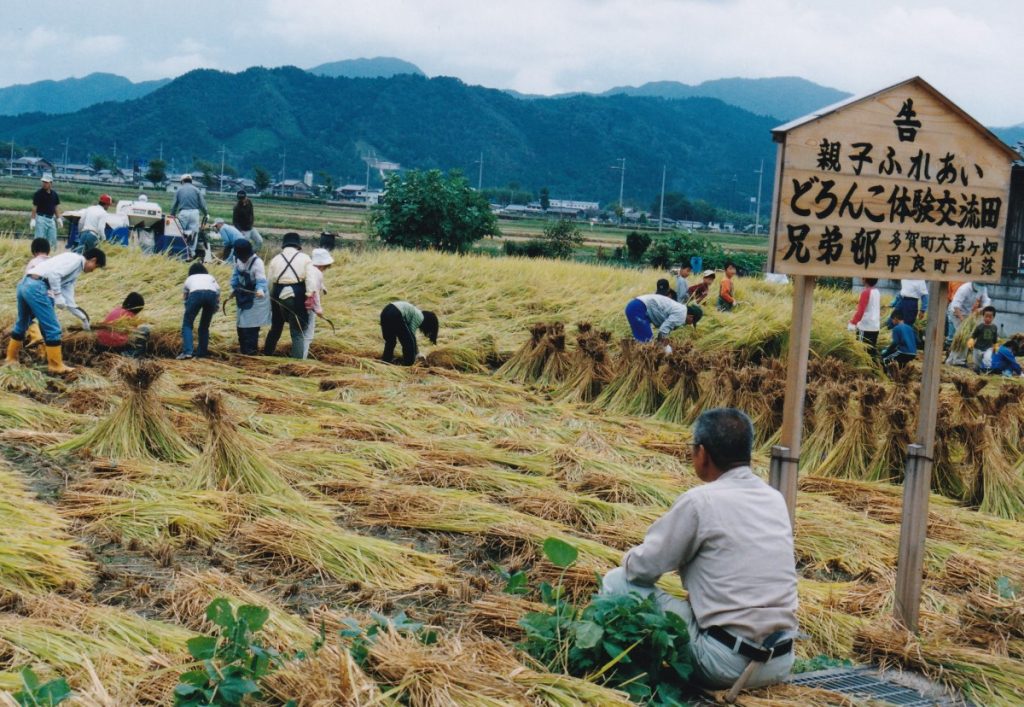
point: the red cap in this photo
(105, 199)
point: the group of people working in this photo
(983, 351)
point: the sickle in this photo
(334, 329)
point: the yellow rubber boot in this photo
(13, 349)
(55, 360)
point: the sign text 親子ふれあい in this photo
(901, 184)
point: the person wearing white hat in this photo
(321, 261)
(229, 235)
(45, 212)
(699, 292)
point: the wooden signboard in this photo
(898, 184)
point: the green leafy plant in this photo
(232, 663)
(625, 641)
(36, 694)
(819, 662)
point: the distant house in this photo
(574, 205)
(291, 188)
(74, 171)
(31, 167)
(358, 194)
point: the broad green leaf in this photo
(202, 647)
(516, 583)
(253, 616)
(588, 634)
(560, 553)
(219, 612)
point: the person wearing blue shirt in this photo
(903, 348)
(228, 235)
(1004, 359)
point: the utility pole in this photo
(11, 164)
(757, 217)
(661, 209)
(221, 169)
(480, 174)
(67, 141)
(622, 179)
(284, 156)
(367, 187)
(161, 152)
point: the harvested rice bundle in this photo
(558, 690)
(823, 616)
(851, 457)
(958, 349)
(16, 411)
(499, 613)
(590, 367)
(889, 461)
(830, 413)
(328, 677)
(138, 427)
(36, 552)
(458, 358)
(998, 486)
(636, 388)
(228, 461)
(330, 551)
(829, 538)
(24, 379)
(964, 404)
(193, 590)
(557, 361)
(682, 367)
(983, 676)
(526, 364)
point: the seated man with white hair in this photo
(731, 543)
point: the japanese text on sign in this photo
(897, 186)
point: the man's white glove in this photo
(32, 223)
(668, 349)
(60, 222)
(851, 327)
(60, 302)
(85, 325)
(420, 357)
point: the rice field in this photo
(331, 488)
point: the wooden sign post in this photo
(902, 184)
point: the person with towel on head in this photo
(291, 277)
(92, 227)
(399, 322)
(202, 296)
(252, 297)
(321, 261)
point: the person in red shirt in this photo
(118, 336)
(699, 292)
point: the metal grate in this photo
(865, 682)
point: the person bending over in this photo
(399, 322)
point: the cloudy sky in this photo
(968, 50)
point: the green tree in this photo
(99, 162)
(545, 198)
(208, 172)
(157, 172)
(562, 237)
(432, 210)
(637, 244)
(326, 181)
(260, 177)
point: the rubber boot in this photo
(55, 360)
(33, 335)
(13, 349)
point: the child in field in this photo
(727, 289)
(116, 338)
(202, 296)
(664, 289)
(40, 252)
(1004, 360)
(903, 348)
(984, 335)
(867, 320)
(699, 293)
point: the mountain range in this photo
(570, 145)
(69, 95)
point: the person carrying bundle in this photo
(661, 312)
(731, 543)
(46, 287)
(291, 278)
(969, 298)
(399, 322)
(112, 337)
(252, 298)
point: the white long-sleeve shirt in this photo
(965, 298)
(301, 270)
(93, 219)
(731, 543)
(664, 313)
(915, 289)
(61, 272)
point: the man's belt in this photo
(738, 644)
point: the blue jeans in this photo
(34, 302)
(46, 227)
(639, 322)
(200, 301)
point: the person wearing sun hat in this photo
(92, 227)
(322, 260)
(45, 212)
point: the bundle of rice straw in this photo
(636, 388)
(139, 426)
(998, 486)
(958, 351)
(326, 678)
(24, 379)
(830, 412)
(681, 369)
(851, 457)
(457, 358)
(526, 364)
(950, 442)
(889, 460)
(230, 462)
(590, 366)
(557, 361)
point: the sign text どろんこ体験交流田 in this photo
(900, 184)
